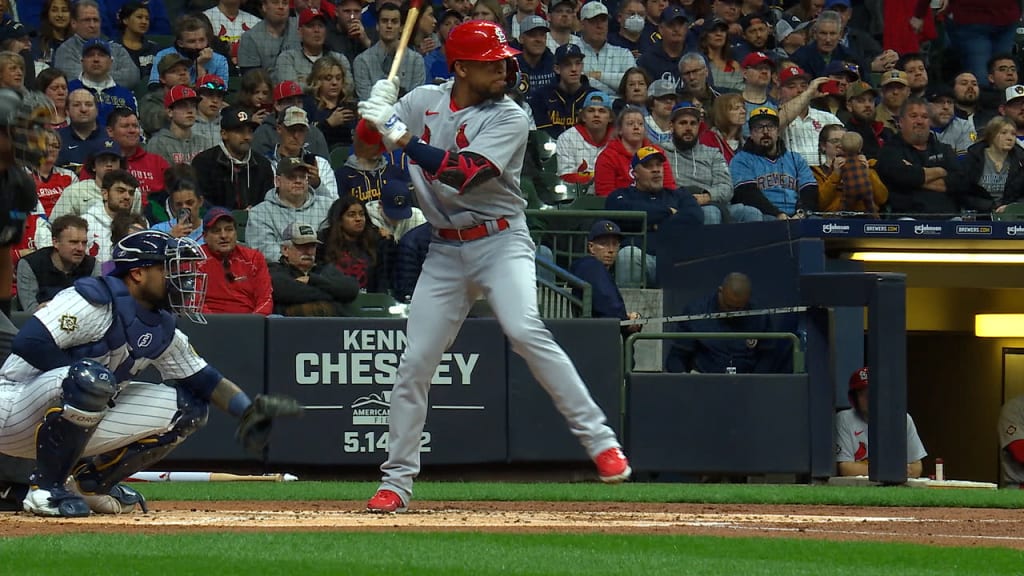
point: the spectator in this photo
(365, 172)
(790, 36)
(348, 36)
(702, 170)
(192, 43)
(286, 94)
(51, 180)
(917, 73)
(1014, 110)
(1002, 74)
(631, 18)
(375, 62)
(578, 148)
(715, 356)
(860, 103)
(488, 11)
(229, 21)
(562, 16)
(757, 79)
(694, 79)
(292, 129)
(842, 75)
(949, 129)
(331, 103)
(394, 214)
(966, 98)
(123, 128)
(103, 157)
(304, 287)
(514, 21)
(632, 90)
(173, 71)
(83, 131)
(661, 98)
(994, 168)
(651, 35)
(186, 207)
(649, 193)
(613, 169)
(157, 15)
(133, 22)
(292, 200)
(85, 21)
(662, 60)
(852, 434)
(923, 175)
(981, 29)
(260, 46)
(230, 174)
(54, 29)
(536, 62)
(355, 248)
(756, 33)
(606, 63)
(825, 48)
(412, 252)
(461, 6)
(297, 64)
(211, 90)
(556, 108)
(1011, 449)
(895, 91)
(255, 95)
(806, 10)
(603, 244)
(714, 44)
(436, 62)
(832, 185)
(424, 37)
(118, 187)
(159, 207)
(769, 177)
(16, 38)
(47, 271)
(805, 122)
(177, 144)
(12, 71)
(97, 77)
(728, 124)
(54, 85)
(729, 12)
(237, 279)
(861, 46)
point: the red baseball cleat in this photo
(612, 466)
(385, 502)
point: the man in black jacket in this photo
(301, 286)
(45, 272)
(231, 174)
(923, 175)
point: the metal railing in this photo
(555, 298)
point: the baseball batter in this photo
(67, 398)
(468, 139)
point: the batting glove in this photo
(385, 91)
(384, 119)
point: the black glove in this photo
(253, 430)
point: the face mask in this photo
(634, 23)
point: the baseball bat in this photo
(411, 20)
(207, 477)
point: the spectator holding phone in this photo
(185, 201)
(330, 101)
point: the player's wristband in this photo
(392, 131)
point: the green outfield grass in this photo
(594, 492)
(486, 554)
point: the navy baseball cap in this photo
(566, 51)
(686, 107)
(852, 71)
(96, 43)
(674, 12)
(14, 30)
(604, 228)
(107, 147)
(396, 200)
(833, 4)
(214, 214)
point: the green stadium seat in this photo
(339, 154)
(161, 40)
(1012, 213)
(372, 305)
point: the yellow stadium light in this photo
(999, 325)
(941, 257)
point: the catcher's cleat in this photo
(55, 502)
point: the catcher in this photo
(67, 397)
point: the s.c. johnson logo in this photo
(1015, 230)
(927, 229)
(881, 228)
(832, 228)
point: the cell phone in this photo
(185, 215)
(831, 87)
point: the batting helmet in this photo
(477, 40)
(182, 260)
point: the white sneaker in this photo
(57, 502)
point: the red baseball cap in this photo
(791, 72)
(310, 14)
(367, 135)
(287, 89)
(211, 82)
(756, 59)
(179, 93)
(859, 379)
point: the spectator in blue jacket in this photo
(412, 252)
(713, 356)
(536, 62)
(649, 194)
(603, 245)
(192, 43)
(661, 60)
(557, 107)
(97, 63)
(826, 33)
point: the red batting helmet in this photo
(859, 380)
(477, 40)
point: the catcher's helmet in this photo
(477, 40)
(182, 260)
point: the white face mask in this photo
(634, 23)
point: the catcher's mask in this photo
(26, 118)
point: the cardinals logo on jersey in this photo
(426, 135)
(460, 138)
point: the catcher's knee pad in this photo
(193, 413)
(87, 390)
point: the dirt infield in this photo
(937, 526)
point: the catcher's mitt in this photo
(253, 430)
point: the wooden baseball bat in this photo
(411, 19)
(207, 477)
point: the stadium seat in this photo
(161, 40)
(1014, 212)
(373, 305)
(241, 219)
(339, 154)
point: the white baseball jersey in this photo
(577, 155)
(1011, 429)
(230, 30)
(852, 438)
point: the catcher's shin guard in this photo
(101, 474)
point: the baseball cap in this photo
(170, 61)
(940, 91)
(604, 228)
(289, 165)
(859, 379)
(597, 98)
(791, 73)
(396, 200)
(566, 51)
(177, 94)
(661, 87)
(234, 117)
(832, 4)
(96, 43)
(763, 113)
(748, 19)
(106, 147)
(593, 9)
(715, 22)
(300, 233)
(673, 12)
(756, 59)
(368, 135)
(13, 30)
(533, 22)
(551, 6)
(644, 154)
(294, 116)
(686, 107)
(210, 82)
(859, 89)
(1013, 92)
(449, 14)
(310, 14)
(787, 25)
(840, 67)
(287, 89)
(898, 76)
(214, 214)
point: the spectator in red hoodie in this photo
(613, 169)
(980, 29)
(148, 169)
(237, 278)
